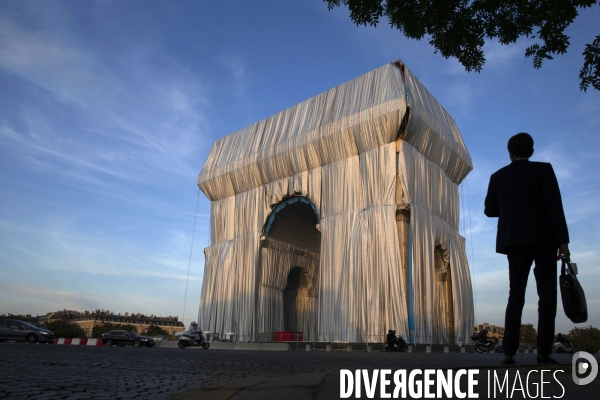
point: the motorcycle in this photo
(399, 345)
(187, 340)
(488, 345)
(563, 347)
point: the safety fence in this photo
(372, 343)
(79, 341)
(325, 338)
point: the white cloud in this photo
(589, 109)
(61, 240)
(34, 297)
(461, 96)
(564, 167)
(236, 67)
(68, 71)
(499, 56)
(124, 128)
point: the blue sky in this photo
(108, 110)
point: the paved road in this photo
(78, 372)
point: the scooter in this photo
(187, 340)
(488, 345)
(399, 345)
(563, 347)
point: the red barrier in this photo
(82, 341)
(288, 336)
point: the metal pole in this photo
(411, 310)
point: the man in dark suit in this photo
(525, 197)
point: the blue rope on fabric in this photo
(411, 305)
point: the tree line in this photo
(459, 28)
(583, 339)
(70, 329)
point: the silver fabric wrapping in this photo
(433, 198)
(342, 151)
(357, 116)
(433, 132)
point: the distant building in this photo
(20, 317)
(89, 319)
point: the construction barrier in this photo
(79, 341)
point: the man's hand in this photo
(563, 252)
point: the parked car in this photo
(122, 338)
(13, 329)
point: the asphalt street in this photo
(85, 372)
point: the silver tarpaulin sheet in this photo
(374, 243)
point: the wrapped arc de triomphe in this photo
(338, 217)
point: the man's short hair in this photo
(521, 145)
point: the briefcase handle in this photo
(568, 268)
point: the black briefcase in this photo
(573, 297)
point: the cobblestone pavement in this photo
(88, 372)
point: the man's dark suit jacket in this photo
(526, 198)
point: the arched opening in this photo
(290, 254)
(294, 221)
(295, 295)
